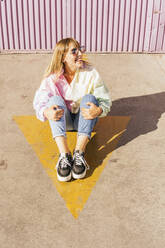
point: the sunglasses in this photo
(76, 50)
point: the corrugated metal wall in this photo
(101, 25)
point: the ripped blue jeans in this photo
(70, 121)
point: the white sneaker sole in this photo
(64, 179)
(79, 176)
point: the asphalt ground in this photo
(126, 205)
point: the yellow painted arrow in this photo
(104, 140)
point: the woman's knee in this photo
(57, 100)
(88, 98)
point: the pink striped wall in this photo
(100, 25)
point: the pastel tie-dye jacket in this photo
(86, 81)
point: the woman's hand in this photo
(92, 112)
(53, 113)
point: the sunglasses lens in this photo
(74, 50)
(82, 49)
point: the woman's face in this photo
(73, 58)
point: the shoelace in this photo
(80, 159)
(64, 161)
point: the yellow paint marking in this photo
(101, 148)
(104, 140)
(116, 135)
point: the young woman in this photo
(71, 97)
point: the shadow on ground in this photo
(144, 112)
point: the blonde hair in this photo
(56, 65)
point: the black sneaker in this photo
(64, 166)
(80, 166)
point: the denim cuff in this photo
(84, 134)
(59, 135)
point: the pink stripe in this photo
(12, 21)
(42, 23)
(68, 19)
(93, 33)
(28, 15)
(20, 24)
(48, 24)
(134, 15)
(37, 24)
(163, 41)
(88, 26)
(124, 23)
(45, 34)
(155, 27)
(23, 25)
(31, 24)
(56, 21)
(64, 18)
(15, 31)
(163, 26)
(152, 30)
(99, 24)
(158, 26)
(104, 25)
(95, 49)
(140, 24)
(2, 36)
(149, 49)
(52, 14)
(62, 31)
(160, 39)
(132, 26)
(77, 20)
(136, 26)
(71, 13)
(50, 19)
(91, 26)
(145, 25)
(17, 18)
(110, 17)
(107, 25)
(113, 25)
(59, 20)
(129, 24)
(7, 29)
(146, 29)
(83, 22)
(9, 23)
(74, 19)
(80, 17)
(118, 26)
(34, 25)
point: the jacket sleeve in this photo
(101, 93)
(41, 99)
